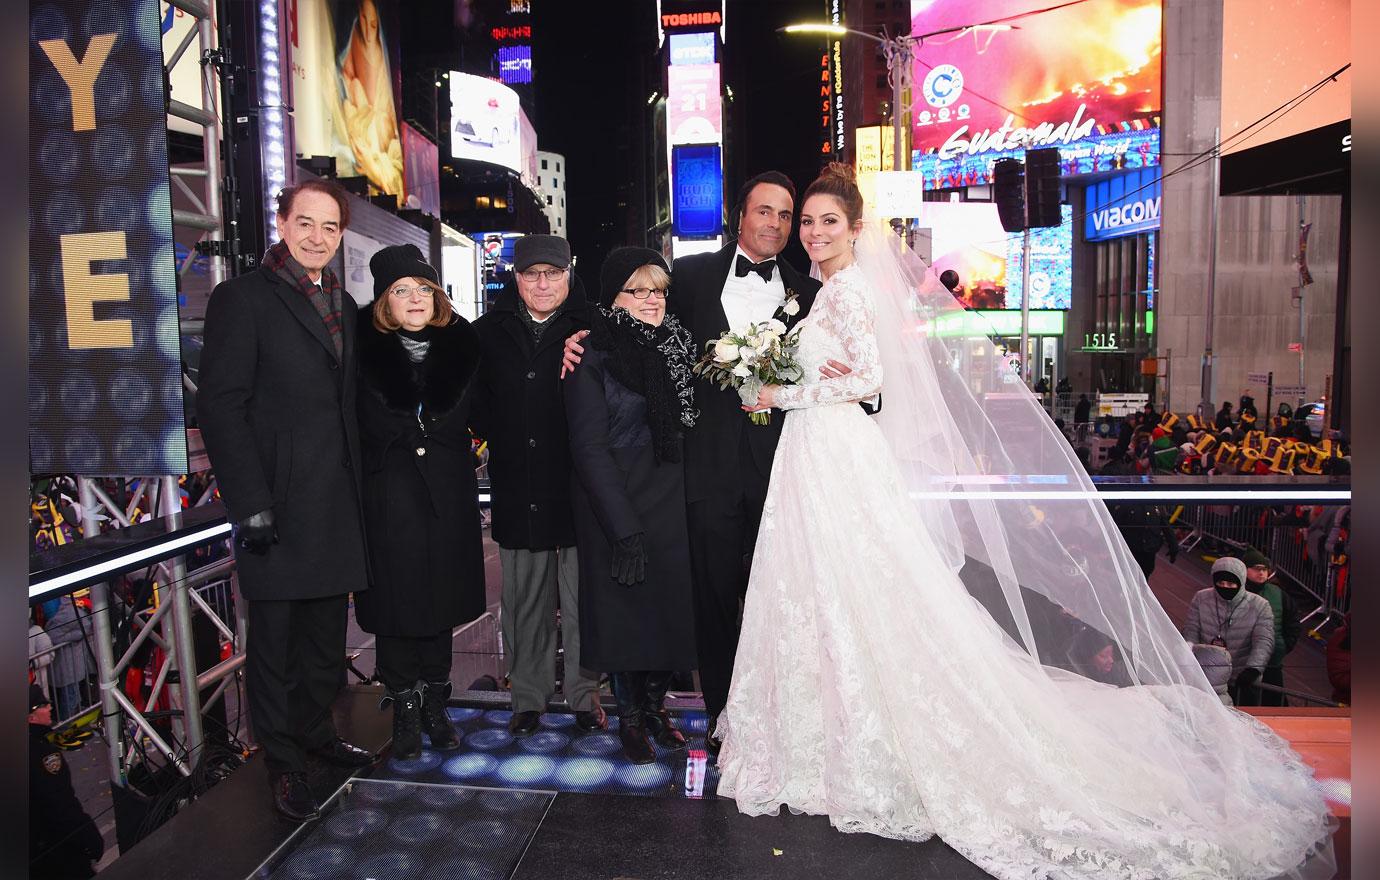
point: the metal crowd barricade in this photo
(1280, 535)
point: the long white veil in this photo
(1000, 489)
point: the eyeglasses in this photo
(403, 292)
(534, 275)
(644, 292)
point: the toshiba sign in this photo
(691, 19)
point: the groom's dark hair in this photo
(775, 177)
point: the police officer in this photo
(63, 840)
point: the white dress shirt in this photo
(749, 299)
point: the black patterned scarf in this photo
(654, 362)
(326, 298)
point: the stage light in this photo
(356, 824)
(526, 769)
(544, 742)
(418, 828)
(643, 777)
(149, 555)
(425, 762)
(470, 766)
(597, 744)
(488, 740)
(584, 773)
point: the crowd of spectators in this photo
(1237, 442)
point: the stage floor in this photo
(563, 803)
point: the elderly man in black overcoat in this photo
(276, 407)
(518, 409)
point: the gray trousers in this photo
(531, 579)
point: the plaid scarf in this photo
(326, 297)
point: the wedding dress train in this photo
(871, 686)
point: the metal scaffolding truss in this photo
(202, 186)
(168, 624)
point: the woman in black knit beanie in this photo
(627, 407)
(421, 511)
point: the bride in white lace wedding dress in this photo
(872, 686)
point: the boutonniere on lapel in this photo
(761, 354)
(788, 309)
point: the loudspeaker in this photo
(1042, 187)
(1008, 191)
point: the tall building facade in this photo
(551, 182)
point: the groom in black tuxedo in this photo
(727, 458)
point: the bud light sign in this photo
(697, 191)
(1124, 205)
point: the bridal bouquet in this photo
(747, 359)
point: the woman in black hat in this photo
(421, 513)
(627, 407)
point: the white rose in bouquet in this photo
(777, 327)
(725, 351)
(742, 371)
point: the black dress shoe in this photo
(593, 720)
(712, 740)
(293, 798)
(343, 754)
(632, 733)
(524, 723)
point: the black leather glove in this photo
(629, 560)
(257, 533)
(1248, 678)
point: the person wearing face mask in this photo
(1231, 617)
(628, 407)
(418, 362)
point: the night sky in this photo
(582, 57)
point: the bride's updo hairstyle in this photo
(841, 182)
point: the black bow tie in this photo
(764, 268)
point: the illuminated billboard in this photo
(1084, 79)
(484, 122)
(1261, 72)
(514, 64)
(346, 87)
(694, 107)
(967, 237)
(697, 191)
(1307, 148)
(104, 378)
(420, 172)
(691, 48)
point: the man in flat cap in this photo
(518, 409)
(1229, 616)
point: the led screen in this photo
(1261, 71)
(484, 121)
(694, 108)
(346, 83)
(691, 48)
(105, 379)
(967, 237)
(1082, 74)
(514, 64)
(697, 191)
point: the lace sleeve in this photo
(850, 319)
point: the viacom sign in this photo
(1124, 205)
